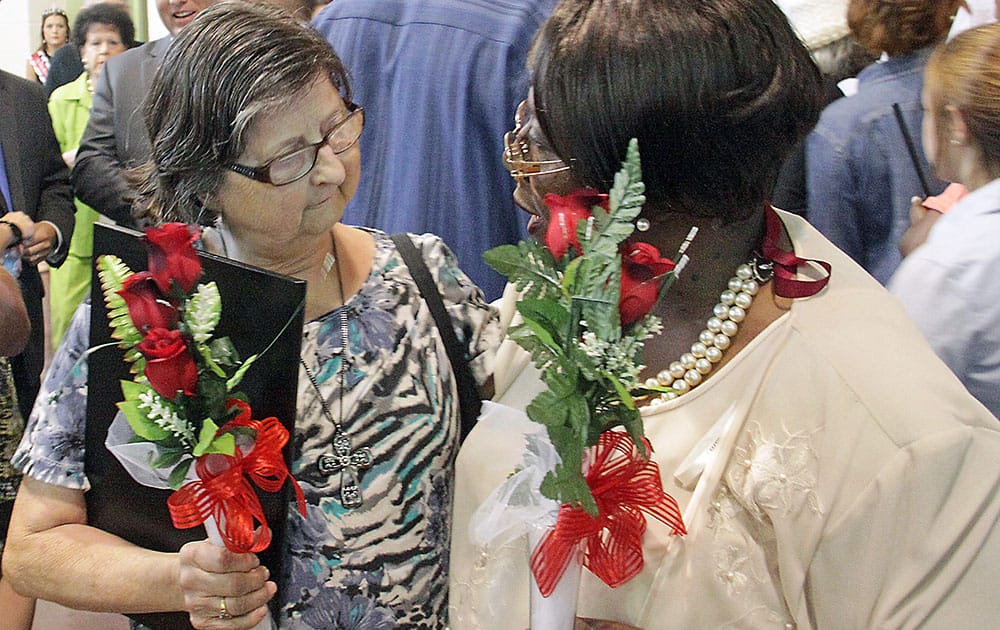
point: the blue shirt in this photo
(5, 184)
(11, 257)
(860, 175)
(440, 81)
(948, 287)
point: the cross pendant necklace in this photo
(344, 458)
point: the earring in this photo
(642, 224)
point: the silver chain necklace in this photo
(344, 459)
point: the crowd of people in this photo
(847, 432)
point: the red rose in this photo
(172, 256)
(642, 269)
(146, 305)
(169, 365)
(565, 213)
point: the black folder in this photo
(257, 307)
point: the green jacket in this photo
(69, 108)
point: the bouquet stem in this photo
(558, 610)
(212, 529)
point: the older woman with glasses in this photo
(262, 147)
(831, 471)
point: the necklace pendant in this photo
(328, 262)
(348, 463)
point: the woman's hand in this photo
(921, 222)
(217, 582)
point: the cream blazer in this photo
(853, 483)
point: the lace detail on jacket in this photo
(775, 476)
(768, 477)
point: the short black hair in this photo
(717, 92)
(107, 14)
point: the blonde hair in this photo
(965, 74)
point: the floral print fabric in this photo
(384, 564)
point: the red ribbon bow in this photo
(223, 490)
(786, 263)
(625, 485)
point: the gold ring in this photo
(223, 611)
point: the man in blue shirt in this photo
(440, 81)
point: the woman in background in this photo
(55, 35)
(947, 285)
(842, 477)
(15, 328)
(101, 31)
(263, 147)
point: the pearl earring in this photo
(642, 224)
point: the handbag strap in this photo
(469, 400)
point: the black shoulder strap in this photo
(468, 392)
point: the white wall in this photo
(21, 23)
(20, 26)
(155, 26)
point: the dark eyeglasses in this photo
(293, 166)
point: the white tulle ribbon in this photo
(517, 508)
(137, 459)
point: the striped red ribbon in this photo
(223, 491)
(625, 485)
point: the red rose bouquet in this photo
(183, 424)
(586, 297)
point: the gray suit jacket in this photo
(39, 187)
(116, 139)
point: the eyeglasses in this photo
(515, 158)
(293, 166)
(516, 152)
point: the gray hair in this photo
(842, 58)
(235, 61)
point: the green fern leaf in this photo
(625, 200)
(112, 273)
(528, 266)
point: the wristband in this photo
(16, 231)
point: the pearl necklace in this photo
(691, 369)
